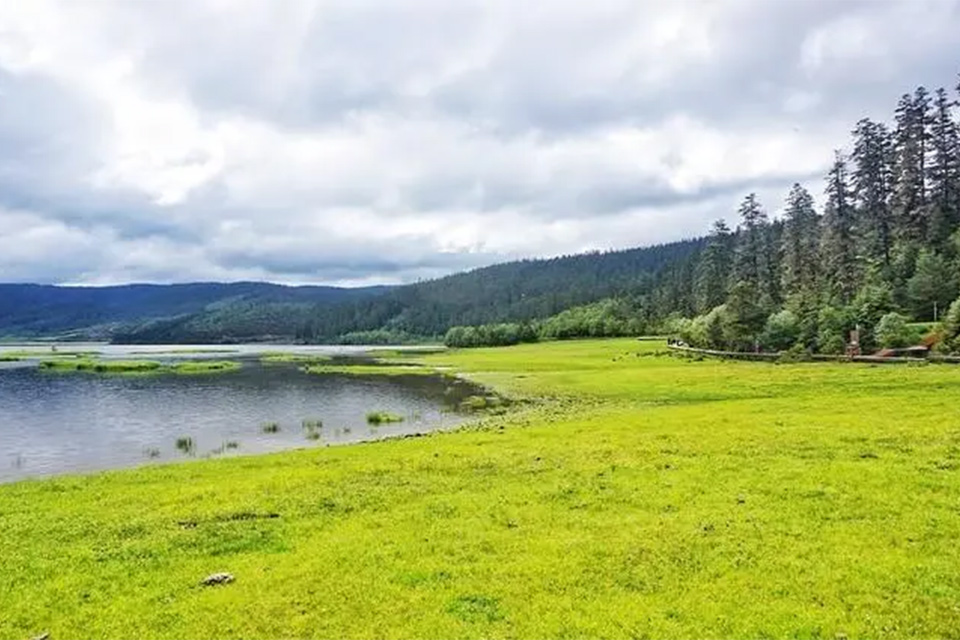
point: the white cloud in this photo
(352, 142)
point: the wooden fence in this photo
(771, 357)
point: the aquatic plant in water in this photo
(270, 427)
(186, 445)
(383, 417)
(312, 428)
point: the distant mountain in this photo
(252, 310)
(510, 292)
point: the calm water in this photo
(66, 422)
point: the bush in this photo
(872, 302)
(833, 326)
(490, 335)
(950, 329)
(781, 331)
(692, 332)
(894, 332)
(604, 319)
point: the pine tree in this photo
(910, 137)
(713, 268)
(932, 287)
(943, 171)
(744, 317)
(752, 263)
(801, 241)
(872, 178)
(839, 243)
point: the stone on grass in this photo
(217, 578)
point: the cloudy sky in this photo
(362, 141)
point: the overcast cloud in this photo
(381, 141)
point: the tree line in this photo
(613, 317)
(884, 249)
(881, 255)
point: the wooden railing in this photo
(771, 357)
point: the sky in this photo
(355, 142)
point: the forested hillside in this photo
(29, 311)
(511, 292)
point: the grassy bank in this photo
(23, 354)
(646, 496)
(363, 368)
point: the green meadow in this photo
(626, 493)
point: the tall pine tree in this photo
(910, 147)
(838, 251)
(943, 171)
(872, 184)
(713, 269)
(752, 260)
(801, 240)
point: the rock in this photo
(217, 578)
(43, 636)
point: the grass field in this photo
(642, 496)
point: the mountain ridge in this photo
(214, 312)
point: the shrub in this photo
(871, 304)
(950, 329)
(781, 331)
(834, 323)
(894, 332)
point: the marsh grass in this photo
(383, 417)
(89, 365)
(228, 445)
(25, 354)
(312, 428)
(194, 367)
(101, 366)
(186, 351)
(369, 366)
(284, 358)
(186, 445)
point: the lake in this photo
(53, 423)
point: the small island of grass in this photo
(204, 366)
(101, 366)
(285, 358)
(359, 367)
(87, 365)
